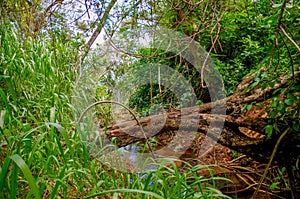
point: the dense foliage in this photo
(43, 56)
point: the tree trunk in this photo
(236, 123)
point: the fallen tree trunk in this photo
(236, 123)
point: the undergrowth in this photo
(42, 154)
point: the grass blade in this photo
(3, 173)
(126, 191)
(24, 168)
(58, 183)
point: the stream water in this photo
(134, 154)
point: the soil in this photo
(243, 172)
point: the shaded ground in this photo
(243, 131)
(243, 172)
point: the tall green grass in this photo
(42, 155)
(36, 74)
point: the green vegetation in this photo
(42, 154)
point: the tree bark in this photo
(232, 134)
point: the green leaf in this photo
(289, 102)
(235, 153)
(257, 77)
(274, 102)
(58, 183)
(3, 173)
(264, 86)
(276, 127)
(63, 132)
(269, 130)
(249, 106)
(28, 176)
(199, 102)
(5, 101)
(295, 125)
(291, 96)
(274, 185)
(276, 5)
(272, 84)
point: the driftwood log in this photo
(236, 123)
